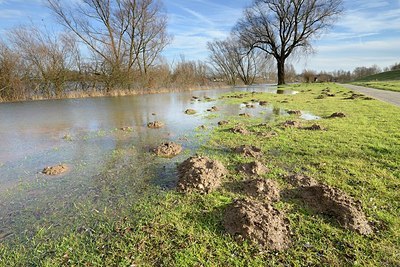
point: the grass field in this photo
(358, 154)
(383, 85)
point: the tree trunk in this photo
(281, 71)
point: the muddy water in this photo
(109, 168)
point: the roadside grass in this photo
(359, 154)
(392, 75)
(383, 85)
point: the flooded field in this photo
(105, 143)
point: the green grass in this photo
(383, 76)
(359, 154)
(383, 85)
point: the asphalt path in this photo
(386, 96)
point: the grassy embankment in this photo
(359, 154)
(389, 80)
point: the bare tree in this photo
(233, 61)
(281, 27)
(124, 34)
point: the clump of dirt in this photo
(333, 202)
(294, 112)
(253, 168)
(155, 124)
(220, 123)
(213, 109)
(337, 115)
(250, 106)
(238, 129)
(248, 151)
(300, 180)
(265, 189)
(200, 174)
(190, 111)
(257, 222)
(195, 97)
(55, 170)
(291, 124)
(315, 127)
(247, 115)
(263, 103)
(267, 134)
(126, 129)
(168, 149)
(202, 127)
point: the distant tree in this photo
(360, 72)
(309, 76)
(122, 34)
(395, 66)
(233, 60)
(282, 27)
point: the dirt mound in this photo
(168, 149)
(248, 151)
(220, 123)
(301, 180)
(126, 129)
(294, 112)
(190, 111)
(238, 129)
(55, 170)
(263, 103)
(253, 168)
(200, 174)
(267, 134)
(291, 124)
(315, 127)
(247, 115)
(337, 115)
(333, 202)
(213, 109)
(155, 124)
(259, 223)
(267, 190)
(250, 106)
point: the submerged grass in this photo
(359, 154)
(383, 85)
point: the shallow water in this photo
(109, 168)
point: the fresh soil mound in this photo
(337, 115)
(168, 149)
(267, 190)
(291, 124)
(200, 174)
(248, 151)
(253, 168)
(257, 222)
(190, 111)
(250, 106)
(220, 123)
(55, 170)
(294, 112)
(213, 109)
(155, 124)
(333, 202)
(245, 115)
(267, 134)
(299, 180)
(315, 127)
(126, 129)
(238, 129)
(263, 103)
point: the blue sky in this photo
(367, 34)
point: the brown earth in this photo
(267, 134)
(263, 103)
(253, 168)
(55, 170)
(291, 124)
(213, 109)
(315, 127)
(239, 130)
(260, 223)
(220, 123)
(245, 115)
(337, 115)
(265, 189)
(294, 112)
(333, 202)
(168, 149)
(300, 180)
(200, 174)
(190, 111)
(126, 129)
(155, 124)
(248, 151)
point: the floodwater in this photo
(109, 168)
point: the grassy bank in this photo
(358, 154)
(383, 85)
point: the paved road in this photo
(386, 96)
